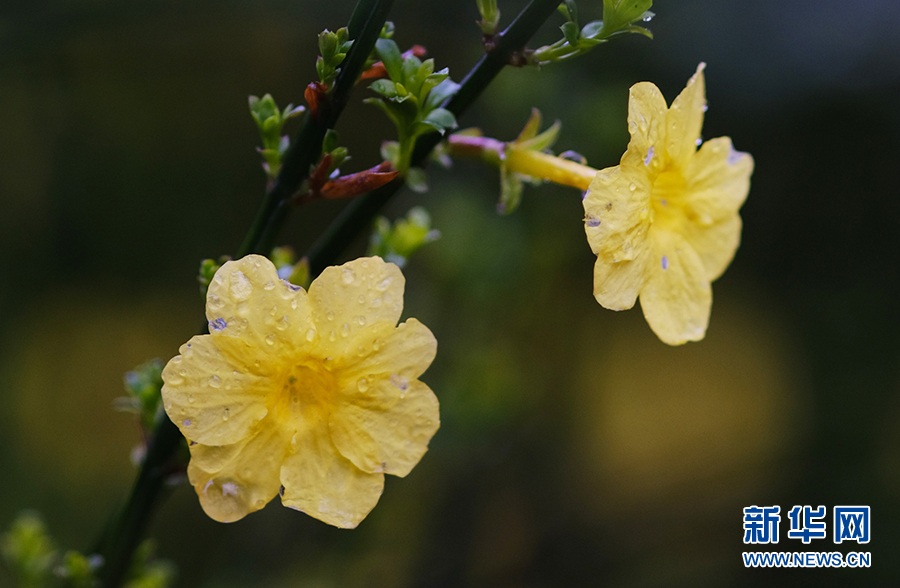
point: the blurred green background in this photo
(575, 448)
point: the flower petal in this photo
(716, 244)
(406, 350)
(321, 482)
(647, 124)
(235, 480)
(390, 439)
(617, 285)
(617, 217)
(248, 302)
(718, 180)
(346, 299)
(207, 398)
(676, 299)
(685, 119)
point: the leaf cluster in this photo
(270, 121)
(333, 48)
(411, 97)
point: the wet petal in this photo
(718, 180)
(406, 350)
(685, 119)
(321, 482)
(617, 285)
(676, 298)
(248, 302)
(208, 399)
(390, 439)
(716, 244)
(347, 299)
(647, 124)
(617, 212)
(235, 480)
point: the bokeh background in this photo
(575, 448)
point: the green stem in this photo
(123, 536)
(360, 212)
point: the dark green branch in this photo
(359, 213)
(365, 26)
(123, 535)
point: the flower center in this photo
(667, 199)
(309, 389)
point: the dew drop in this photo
(361, 299)
(283, 323)
(347, 276)
(329, 315)
(229, 489)
(345, 330)
(376, 345)
(241, 287)
(310, 335)
(191, 398)
(362, 385)
(294, 304)
(361, 351)
(270, 340)
(226, 414)
(632, 187)
(214, 303)
(215, 381)
(270, 285)
(376, 303)
(384, 284)
(332, 336)
(400, 382)
(361, 320)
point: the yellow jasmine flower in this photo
(664, 223)
(314, 395)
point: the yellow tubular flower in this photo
(312, 394)
(664, 222)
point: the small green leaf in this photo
(390, 55)
(328, 43)
(592, 29)
(510, 191)
(417, 180)
(441, 119)
(570, 32)
(440, 93)
(531, 127)
(386, 88)
(544, 140)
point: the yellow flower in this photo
(316, 395)
(664, 222)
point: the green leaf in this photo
(328, 43)
(386, 88)
(531, 127)
(440, 93)
(441, 119)
(390, 55)
(592, 29)
(417, 180)
(543, 141)
(510, 191)
(570, 32)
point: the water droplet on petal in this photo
(329, 315)
(399, 382)
(361, 299)
(270, 285)
(347, 276)
(384, 284)
(310, 335)
(191, 398)
(214, 303)
(632, 187)
(362, 385)
(345, 330)
(270, 339)
(226, 414)
(361, 320)
(241, 287)
(229, 489)
(376, 345)
(332, 336)
(215, 381)
(294, 304)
